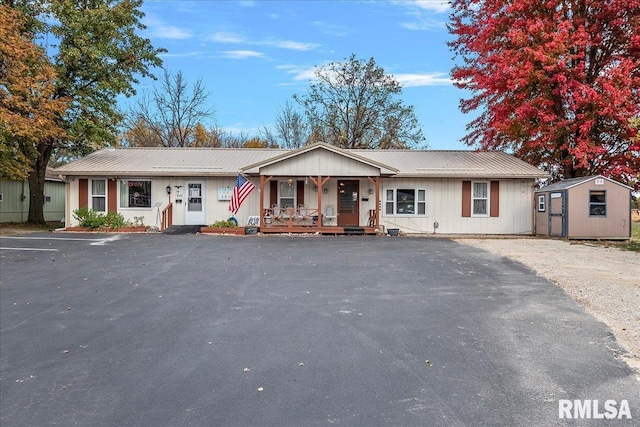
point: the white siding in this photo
(320, 162)
(215, 209)
(444, 205)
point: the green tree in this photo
(354, 104)
(97, 56)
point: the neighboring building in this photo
(592, 207)
(14, 199)
(315, 188)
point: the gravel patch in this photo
(605, 281)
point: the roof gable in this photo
(317, 159)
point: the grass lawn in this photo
(12, 227)
(634, 243)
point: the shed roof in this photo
(228, 161)
(572, 182)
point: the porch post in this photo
(263, 181)
(319, 182)
(319, 185)
(376, 182)
(261, 200)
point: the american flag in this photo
(242, 189)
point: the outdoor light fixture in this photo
(315, 188)
(168, 189)
(325, 190)
(371, 191)
(290, 181)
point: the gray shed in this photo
(593, 207)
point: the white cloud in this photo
(222, 37)
(331, 29)
(234, 38)
(298, 73)
(242, 54)
(290, 45)
(426, 14)
(424, 23)
(247, 3)
(161, 30)
(423, 79)
(438, 6)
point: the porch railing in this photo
(290, 217)
(167, 217)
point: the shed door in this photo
(556, 214)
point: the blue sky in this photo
(254, 55)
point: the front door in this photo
(348, 206)
(195, 214)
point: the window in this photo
(135, 194)
(480, 199)
(541, 203)
(597, 203)
(287, 194)
(98, 195)
(405, 201)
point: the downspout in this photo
(22, 199)
(67, 198)
(534, 206)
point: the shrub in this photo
(223, 224)
(88, 218)
(94, 220)
(114, 220)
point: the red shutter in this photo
(300, 193)
(466, 198)
(273, 193)
(494, 194)
(112, 196)
(83, 193)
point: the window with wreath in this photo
(135, 193)
(405, 201)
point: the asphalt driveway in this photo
(155, 330)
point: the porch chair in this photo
(276, 212)
(329, 215)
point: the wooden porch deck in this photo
(326, 230)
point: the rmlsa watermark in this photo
(592, 409)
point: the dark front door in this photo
(348, 206)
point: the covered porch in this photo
(289, 211)
(319, 189)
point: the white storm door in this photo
(195, 213)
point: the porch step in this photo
(356, 231)
(183, 229)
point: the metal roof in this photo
(572, 182)
(228, 161)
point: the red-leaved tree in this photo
(557, 82)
